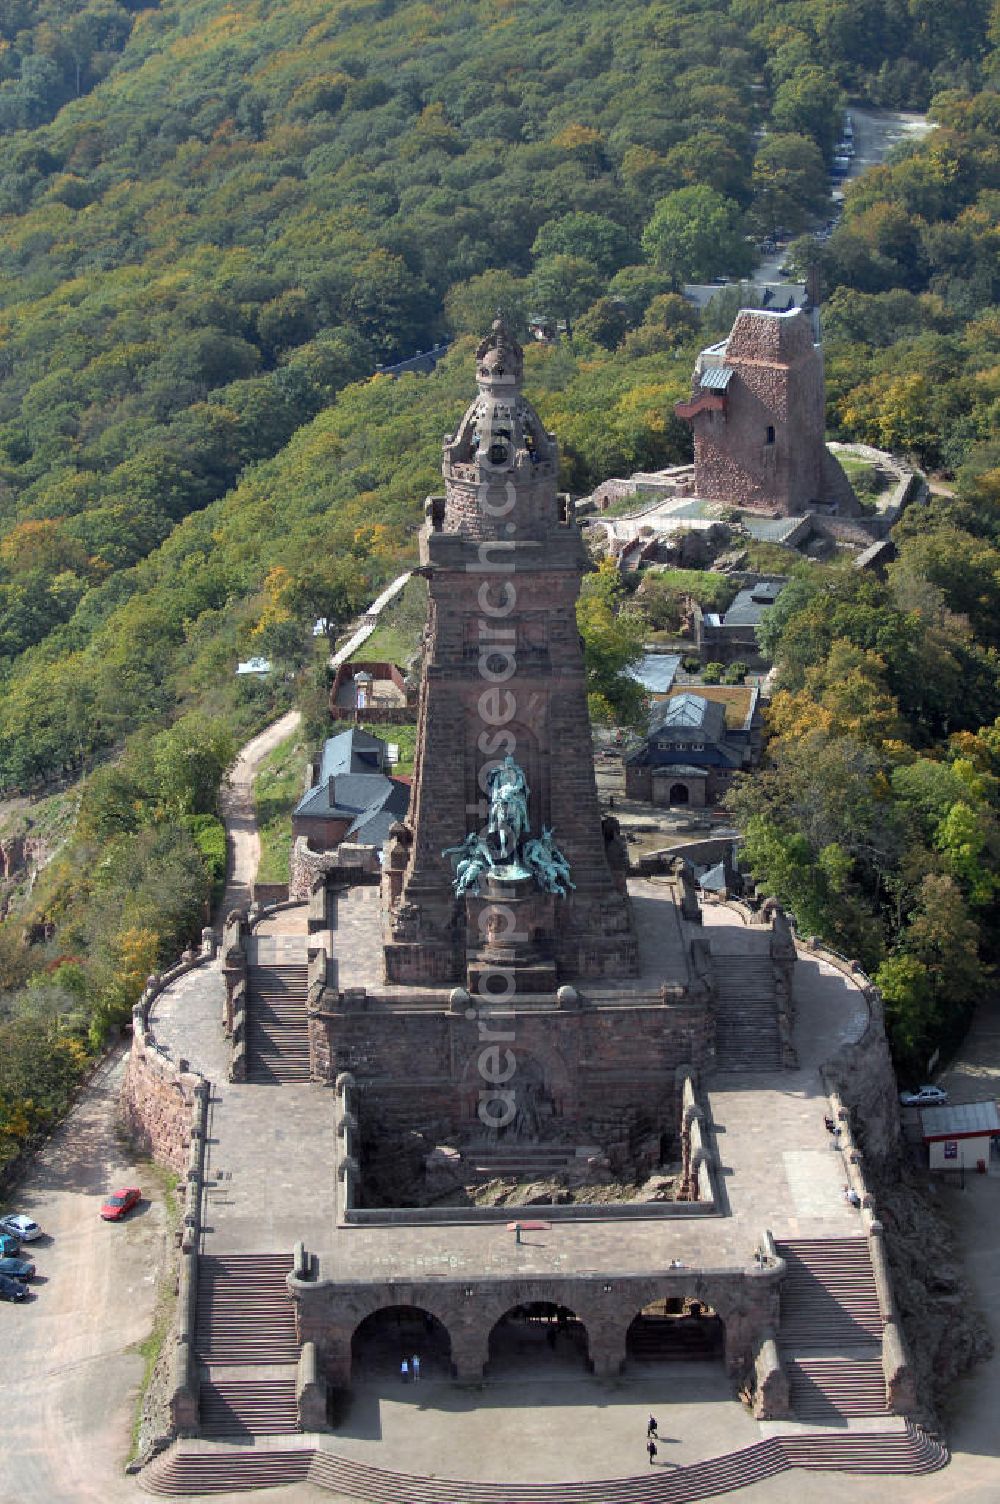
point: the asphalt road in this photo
(876, 132)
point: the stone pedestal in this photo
(515, 923)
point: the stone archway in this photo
(675, 1328)
(679, 794)
(386, 1337)
(539, 1335)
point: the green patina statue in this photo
(508, 827)
(474, 858)
(547, 864)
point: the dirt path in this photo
(239, 816)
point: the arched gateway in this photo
(392, 1335)
(537, 1335)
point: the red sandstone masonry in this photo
(158, 1098)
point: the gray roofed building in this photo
(656, 672)
(352, 799)
(749, 605)
(689, 753)
(733, 637)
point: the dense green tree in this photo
(563, 286)
(588, 237)
(695, 234)
(790, 188)
(809, 102)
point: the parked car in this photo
(120, 1203)
(924, 1096)
(17, 1268)
(21, 1227)
(10, 1246)
(12, 1289)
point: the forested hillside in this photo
(217, 219)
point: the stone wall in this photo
(327, 1312)
(416, 1067)
(158, 1096)
(347, 864)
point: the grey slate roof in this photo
(656, 672)
(353, 751)
(690, 712)
(352, 787)
(965, 1117)
(716, 378)
(748, 606)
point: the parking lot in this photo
(69, 1376)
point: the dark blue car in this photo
(12, 1289)
(21, 1269)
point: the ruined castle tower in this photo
(503, 673)
(757, 408)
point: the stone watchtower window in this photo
(770, 434)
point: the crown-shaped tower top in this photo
(499, 360)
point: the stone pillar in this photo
(310, 1391)
(337, 1360)
(771, 1397)
(607, 1353)
(469, 1352)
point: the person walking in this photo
(404, 1371)
(415, 1365)
(651, 1449)
(651, 1427)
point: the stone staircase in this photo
(277, 1034)
(244, 1314)
(831, 1389)
(518, 1161)
(830, 1336)
(249, 1406)
(746, 1021)
(186, 1470)
(245, 1323)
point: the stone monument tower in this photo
(757, 408)
(503, 686)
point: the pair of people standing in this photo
(650, 1442)
(408, 1366)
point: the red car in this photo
(120, 1203)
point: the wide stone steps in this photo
(651, 1340)
(248, 1407)
(244, 1312)
(746, 1019)
(829, 1389)
(277, 1032)
(523, 1161)
(828, 1295)
(181, 1472)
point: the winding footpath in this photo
(239, 816)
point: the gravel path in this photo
(239, 815)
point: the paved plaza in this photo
(271, 1149)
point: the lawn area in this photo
(277, 790)
(396, 639)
